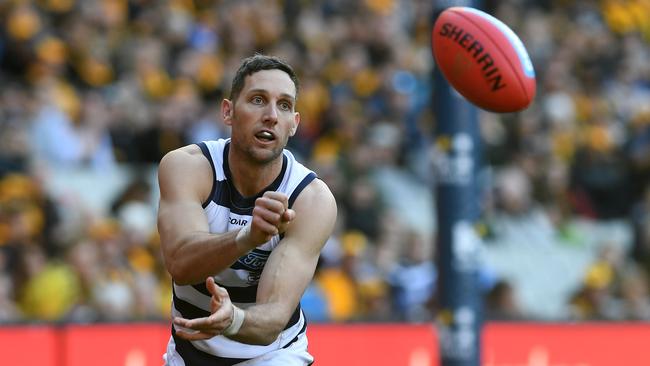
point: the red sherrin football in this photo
(483, 60)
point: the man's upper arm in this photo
(291, 265)
(185, 179)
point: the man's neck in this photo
(252, 177)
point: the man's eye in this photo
(285, 106)
(257, 100)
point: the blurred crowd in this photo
(99, 85)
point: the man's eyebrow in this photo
(264, 91)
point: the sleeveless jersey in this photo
(227, 210)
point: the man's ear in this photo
(227, 109)
(296, 120)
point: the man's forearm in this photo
(199, 255)
(262, 324)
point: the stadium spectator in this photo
(501, 303)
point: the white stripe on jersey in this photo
(193, 296)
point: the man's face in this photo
(263, 117)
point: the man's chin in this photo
(265, 155)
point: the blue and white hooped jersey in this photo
(227, 210)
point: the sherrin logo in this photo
(466, 41)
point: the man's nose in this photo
(271, 113)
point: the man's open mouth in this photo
(265, 136)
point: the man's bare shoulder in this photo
(316, 197)
(186, 166)
(317, 191)
(185, 159)
(184, 155)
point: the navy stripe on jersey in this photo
(237, 294)
(295, 318)
(206, 152)
(187, 310)
(195, 357)
(235, 198)
(302, 330)
(305, 181)
(223, 196)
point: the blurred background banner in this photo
(457, 159)
(504, 344)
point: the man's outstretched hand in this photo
(204, 328)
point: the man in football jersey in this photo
(242, 224)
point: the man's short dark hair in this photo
(256, 63)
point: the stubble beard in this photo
(257, 155)
(263, 157)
